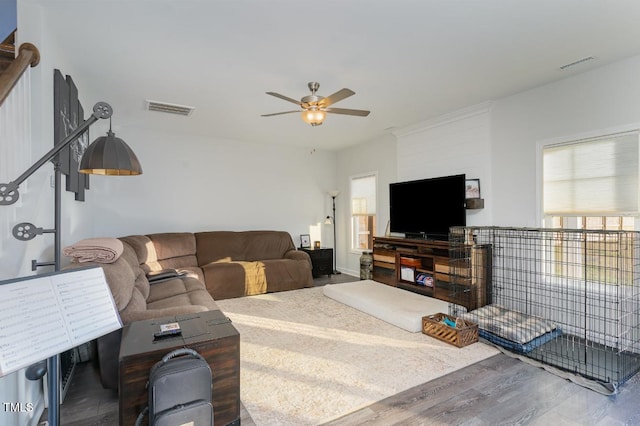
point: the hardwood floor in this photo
(497, 391)
(502, 391)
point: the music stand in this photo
(44, 315)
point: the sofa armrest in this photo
(166, 312)
(297, 255)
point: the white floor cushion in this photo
(399, 307)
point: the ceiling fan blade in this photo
(277, 113)
(346, 111)
(283, 97)
(338, 96)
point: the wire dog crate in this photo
(567, 298)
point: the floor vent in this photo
(169, 108)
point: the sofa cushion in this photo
(288, 274)
(144, 249)
(174, 296)
(137, 303)
(258, 277)
(249, 278)
(140, 282)
(170, 287)
(170, 250)
(246, 245)
(175, 249)
(198, 299)
(121, 280)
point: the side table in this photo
(321, 259)
(210, 333)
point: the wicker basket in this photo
(465, 332)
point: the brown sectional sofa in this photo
(231, 264)
(201, 267)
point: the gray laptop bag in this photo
(179, 391)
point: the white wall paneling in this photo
(452, 144)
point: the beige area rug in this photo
(306, 359)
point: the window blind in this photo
(592, 177)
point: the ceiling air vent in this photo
(169, 108)
(579, 61)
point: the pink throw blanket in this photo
(101, 250)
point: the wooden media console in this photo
(455, 272)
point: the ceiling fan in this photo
(315, 108)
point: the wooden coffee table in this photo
(210, 333)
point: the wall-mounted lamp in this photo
(109, 155)
(104, 154)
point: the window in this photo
(598, 223)
(592, 185)
(596, 177)
(363, 211)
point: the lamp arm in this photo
(9, 192)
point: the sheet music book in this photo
(44, 315)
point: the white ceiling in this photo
(407, 61)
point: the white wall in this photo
(192, 183)
(378, 156)
(605, 98)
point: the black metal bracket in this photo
(26, 231)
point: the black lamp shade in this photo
(109, 155)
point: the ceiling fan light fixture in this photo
(315, 108)
(315, 117)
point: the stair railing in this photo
(28, 55)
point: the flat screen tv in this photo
(427, 208)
